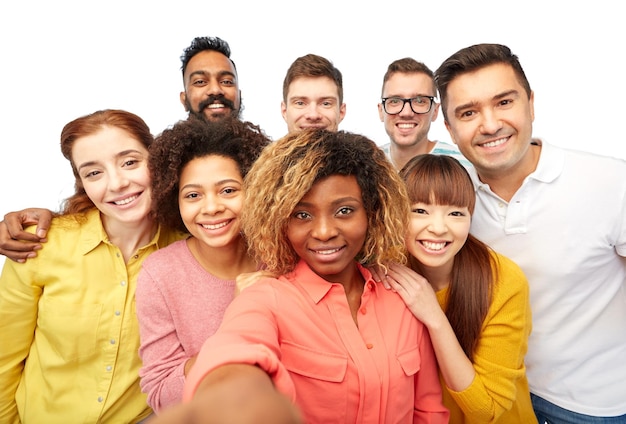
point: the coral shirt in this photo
(300, 330)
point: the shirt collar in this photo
(315, 286)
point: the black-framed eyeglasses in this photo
(418, 104)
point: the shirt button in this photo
(369, 346)
(117, 313)
(500, 205)
(136, 256)
(123, 283)
(100, 399)
(364, 310)
(109, 368)
(112, 341)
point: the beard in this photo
(228, 104)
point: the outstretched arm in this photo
(234, 393)
(17, 244)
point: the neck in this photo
(129, 237)
(438, 278)
(224, 262)
(505, 183)
(400, 155)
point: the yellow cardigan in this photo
(499, 392)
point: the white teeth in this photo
(327, 252)
(496, 142)
(126, 201)
(215, 106)
(433, 246)
(216, 226)
(406, 125)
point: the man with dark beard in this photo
(210, 80)
(211, 94)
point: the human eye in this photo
(91, 174)
(345, 210)
(458, 213)
(505, 102)
(302, 215)
(299, 103)
(199, 82)
(419, 211)
(228, 82)
(419, 100)
(191, 195)
(394, 100)
(229, 190)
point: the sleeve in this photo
(429, 408)
(162, 374)
(19, 299)
(499, 357)
(248, 335)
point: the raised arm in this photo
(18, 244)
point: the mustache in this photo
(216, 99)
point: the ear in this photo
(183, 100)
(450, 131)
(435, 112)
(381, 112)
(283, 110)
(342, 112)
(531, 104)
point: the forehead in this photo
(211, 168)
(106, 143)
(312, 88)
(483, 84)
(408, 85)
(209, 62)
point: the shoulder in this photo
(509, 276)
(168, 256)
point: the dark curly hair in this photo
(193, 138)
(200, 44)
(289, 167)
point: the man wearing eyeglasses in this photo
(408, 106)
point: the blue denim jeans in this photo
(549, 413)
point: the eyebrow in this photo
(206, 73)
(498, 96)
(334, 202)
(217, 183)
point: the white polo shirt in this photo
(566, 228)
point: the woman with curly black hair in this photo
(197, 171)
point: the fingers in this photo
(16, 221)
(17, 250)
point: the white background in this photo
(63, 59)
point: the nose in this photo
(312, 113)
(118, 181)
(324, 228)
(214, 87)
(212, 205)
(406, 110)
(490, 123)
(437, 225)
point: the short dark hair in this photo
(200, 44)
(408, 65)
(473, 58)
(312, 65)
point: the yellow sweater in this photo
(499, 392)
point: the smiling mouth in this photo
(216, 106)
(434, 246)
(125, 201)
(495, 142)
(327, 251)
(215, 226)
